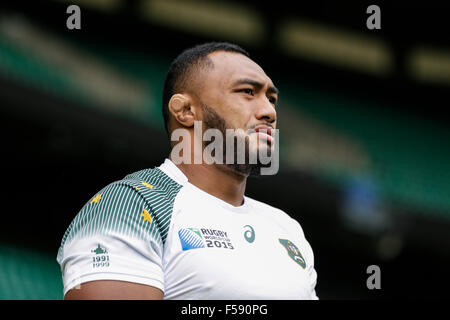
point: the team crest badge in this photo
(293, 252)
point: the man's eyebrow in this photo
(258, 85)
(273, 89)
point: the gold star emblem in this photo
(147, 185)
(146, 216)
(96, 198)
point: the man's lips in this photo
(265, 132)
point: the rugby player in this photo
(188, 231)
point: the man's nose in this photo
(266, 111)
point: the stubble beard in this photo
(212, 120)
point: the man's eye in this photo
(273, 100)
(248, 91)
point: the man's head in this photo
(219, 84)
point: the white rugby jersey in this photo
(155, 228)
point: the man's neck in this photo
(217, 180)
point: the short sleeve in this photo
(113, 237)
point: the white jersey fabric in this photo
(155, 228)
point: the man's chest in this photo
(222, 255)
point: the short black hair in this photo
(181, 68)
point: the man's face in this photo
(243, 96)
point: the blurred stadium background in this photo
(365, 140)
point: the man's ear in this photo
(182, 110)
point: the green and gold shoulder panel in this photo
(138, 206)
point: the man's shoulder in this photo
(143, 196)
(277, 216)
(151, 178)
(149, 184)
(271, 211)
(146, 184)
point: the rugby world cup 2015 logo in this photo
(191, 238)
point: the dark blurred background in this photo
(364, 133)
